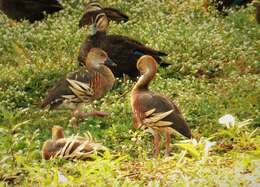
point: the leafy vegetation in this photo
(215, 71)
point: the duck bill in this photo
(109, 62)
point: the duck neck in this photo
(143, 82)
(95, 32)
(108, 75)
(58, 134)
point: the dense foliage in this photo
(215, 71)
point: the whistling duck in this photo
(75, 147)
(92, 9)
(83, 86)
(222, 4)
(152, 110)
(31, 10)
(122, 50)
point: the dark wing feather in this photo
(134, 45)
(49, 6)
(116, 15)
(123, 50)
(150, 100)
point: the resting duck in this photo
(155, 111)
(122, 50)
(222, 4)
(31, 10)
(92, 9)
(75, 147)
(83, 86)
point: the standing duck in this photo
(155, 111)
(83, 86)
(123, 50)
(92, 9)
(32, 10)
(75, 147)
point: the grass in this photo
(215, 71)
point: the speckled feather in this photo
(146, 100)
(62, 90)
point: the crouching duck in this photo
(155, 111)
(83, 86)
(75, 147)
(122, 50)
(31, 10)
(92, 9)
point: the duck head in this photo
(50, 146)
(97, 58)
(147, 67)
(57, 132)
(147, 64)
(92, 6)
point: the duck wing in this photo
(123, 50)
(115, 15)
(75, 88)
(134, 45)
(155, 108)
(50, 6)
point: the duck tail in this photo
(44, 103)
(163, 63)
(160, 53)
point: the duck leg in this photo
(74, 119)
(156, 141)
(167, 142)
(126, 78)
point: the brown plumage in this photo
(153, 110)
(83, 86)
(94, 8)
(123, 50)
(75, 147)
(31, 10)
